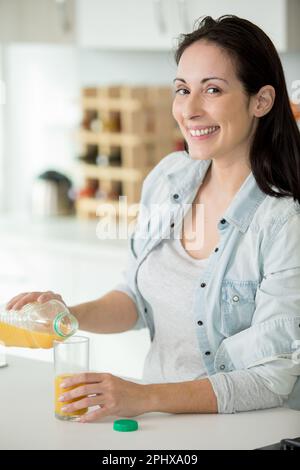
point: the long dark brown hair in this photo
(275, 148)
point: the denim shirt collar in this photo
(187, 175)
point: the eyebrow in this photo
(203, 79)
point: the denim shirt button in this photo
(207, 353)
(222, 367)
(223, 221)
(202, 284)
(235, 298)
(176, 196)
(200, 323)
(145, 310)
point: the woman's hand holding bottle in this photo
(17, 302)
(35, 320)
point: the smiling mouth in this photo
(203, 132)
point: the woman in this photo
(214, 269)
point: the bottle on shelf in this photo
(93, 121)
(90, 156)
(109, 190)
(96, 125)
(89, 190)
(37, 325)
(101, 194)
(112, 123)
(113, 159)
(88, 118)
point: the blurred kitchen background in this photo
(85, 113)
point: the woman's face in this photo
(210, 105)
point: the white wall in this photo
(42, 115)
(149, 68)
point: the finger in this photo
(20, 301)
(85, 402)
(95, 415)
(81, 391)
(45, 296)
(26, 299)
(12, 301)
(83, 378)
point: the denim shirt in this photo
(247, 308)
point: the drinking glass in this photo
(70, 357)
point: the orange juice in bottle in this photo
(20, 337)
(37, 325)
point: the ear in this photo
(263, 101)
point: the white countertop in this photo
(68, 233)
(28, 422)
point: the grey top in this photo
(168, 280)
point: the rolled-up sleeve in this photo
(274, 335)
(243, 390)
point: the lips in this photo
(202, 127)
(197, 132)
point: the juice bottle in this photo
(36, 325)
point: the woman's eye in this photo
(216, 90)
(181, 91)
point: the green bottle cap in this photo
(125, 425)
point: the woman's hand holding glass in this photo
(112, 395)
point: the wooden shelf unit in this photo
(135, 121)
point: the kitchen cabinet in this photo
(156, 24)
(123, 24)
(278, 18)
(138, 24)
(43, 21)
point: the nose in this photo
(192, 107)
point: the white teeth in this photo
(207, 130)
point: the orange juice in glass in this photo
(60, 404)
(70, 357)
